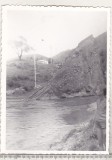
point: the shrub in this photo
(13, 84)
(28, 88)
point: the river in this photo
(42, 124)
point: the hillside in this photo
(21, 73)
(80, 71)
(61, 57)
(84, 69)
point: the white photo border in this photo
(3, 85)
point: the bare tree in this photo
(21, 46)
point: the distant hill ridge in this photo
(86, 41)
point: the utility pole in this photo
(35, 69)
(35, 74)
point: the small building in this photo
(43, 61)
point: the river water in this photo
(39, 125)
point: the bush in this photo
(22, 77)
(13, 84)
(20, 81)
(28, 88)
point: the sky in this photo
(51, 30)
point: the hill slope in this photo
(21, 73)
(84, 69)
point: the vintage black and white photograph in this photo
(56, 78)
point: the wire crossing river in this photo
(46, 124)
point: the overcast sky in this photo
(52, 30)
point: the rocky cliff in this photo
(84, 69)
